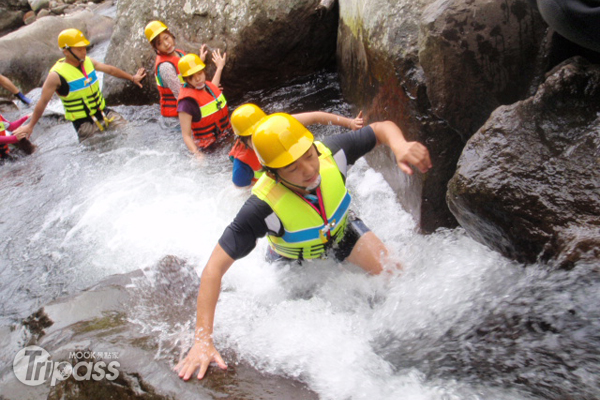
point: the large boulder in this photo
(26, 55)
(127, 329)
(267, 42)
(402, 61)
(476, 57)
(528, 182)
(377, 55)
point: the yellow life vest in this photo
(84, 98)
(307, 234)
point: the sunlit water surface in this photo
(73, 213)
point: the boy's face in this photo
(80, 53)
(165, 43)
(198, 80)
(304, 171)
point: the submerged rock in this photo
(128, 331)
(528, 183)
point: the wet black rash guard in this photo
(239, 238)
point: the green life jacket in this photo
(307, 234)
(84, 98)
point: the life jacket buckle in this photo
(325, 232)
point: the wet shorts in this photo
(87, 128)
(355, 229)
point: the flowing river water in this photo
(459, 322)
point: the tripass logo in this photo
(33, 367)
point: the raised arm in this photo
(51, 85)
(203, 351)
(119, 73)
(219, 61)
(407, 153)
(325, 118)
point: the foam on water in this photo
(74, 213)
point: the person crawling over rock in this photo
(301, 203)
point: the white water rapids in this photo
(72, 214)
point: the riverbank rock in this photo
(476, 57)
(132, 322)
(267, 43)
(437, 69)
(528, 182)
(28, 53)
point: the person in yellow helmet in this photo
(166, 70)
(202, 107)
(246, 166)
(74, 79)
(302, 205)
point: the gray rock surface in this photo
(29, 53)
(119, 320)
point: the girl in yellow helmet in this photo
(166, 70)
(202, 107)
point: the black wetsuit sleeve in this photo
(240, 237)
(354, 144)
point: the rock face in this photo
(267, 42)
(437, 69)
(125, 321)
(478, 58)
(11, 14)
(528, 182)
(30, 52)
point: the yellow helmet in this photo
(190, 64)
(72, 38)
(280, 139)
(245, 117)
(153, 29)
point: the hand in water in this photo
(202, 353)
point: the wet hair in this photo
(154, 41)
(247, 140)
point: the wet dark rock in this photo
(128, 320)
(542, 339)
(528, 182)
(267, 43)
(377, 54)
(477, 56)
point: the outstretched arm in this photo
(203, 351)
(119, 73)
(324, 118)
(51, 85)
(407, 153)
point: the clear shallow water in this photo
(459, 322)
